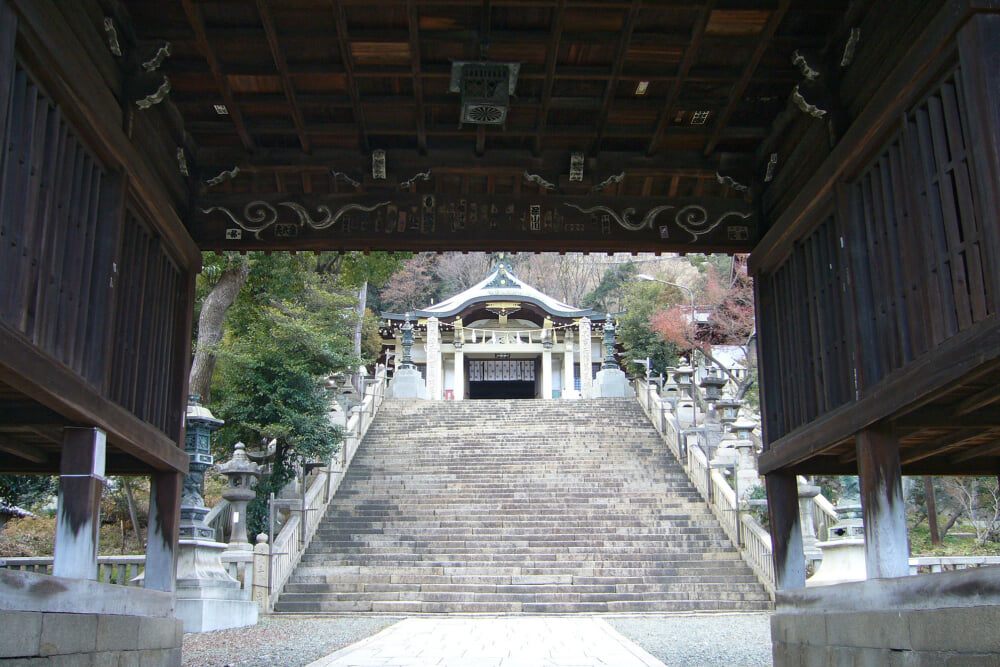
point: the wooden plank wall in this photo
(148, 299)
(899, 258)
(57, 232)
(84, 279)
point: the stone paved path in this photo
(494, 642)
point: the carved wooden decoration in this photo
(382, 221)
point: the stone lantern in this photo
(712, 383)
(242, 474)
(684, 376)
(749, 478)
(208, 598)
(611, 381)
(407, 381)
(742, 428)
(728, 409)
(201, 424)
(609, 344)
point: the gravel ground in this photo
(710, 640)
(730, 640)
(279, 641)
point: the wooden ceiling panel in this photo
(311, 81)
(737, 21)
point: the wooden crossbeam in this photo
(197, 21)
(690, 56)
(413, 27)
(551, 58)
(736, 94)
(616, 72)
(278, 54)
(347, 61)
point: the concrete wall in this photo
(938, 620)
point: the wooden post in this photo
(786, 530)
(161, 538)
(81, 478)
(882, 504)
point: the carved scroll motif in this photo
(694, 220)
(625, 218)
(259, 215)
(535, 178)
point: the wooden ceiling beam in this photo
(687, 62)
(267, 18)
(616, 71)
(975, 452)
(347, 61)
(986, 397)
(197, 21)
(22, 451)
(413, 26)
(736, 94)
(551, 59)
(938, 445)
(445, 160)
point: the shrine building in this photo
(501, 338)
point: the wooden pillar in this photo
(882, 504)
(459, 373)
(586, 368)
(786, 530)
(569, 374)
(434, 365)
(547, 369)
(161, 538)
(81, 478)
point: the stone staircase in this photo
(518, 507)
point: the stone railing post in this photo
(262, 573)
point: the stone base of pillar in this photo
(407, 383)
(843, 561)
(611, 383)
(207, 597)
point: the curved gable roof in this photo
(502, 284)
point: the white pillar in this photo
(433, 360)
(459, 373)
(569, 376)
(586, 368)
(547, 370)
(81, 478)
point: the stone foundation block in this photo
(68, 633)
(117, 633)
(959, 629)
(21, 633)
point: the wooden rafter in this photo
(347, 60)
(197, 21)
(690, 57)
(551, 58)
(616, 72)
(267, 18)
(773, 21)
(413, 25)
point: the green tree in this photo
(289, 329)
(641, 303)
(27, 491)
(610, 294)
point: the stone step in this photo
(517, 507)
